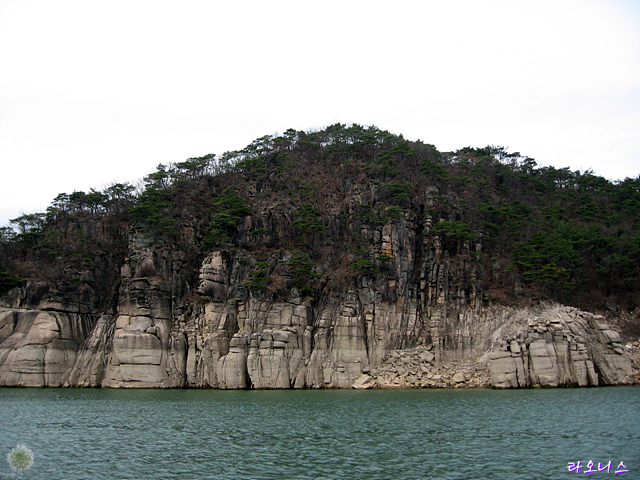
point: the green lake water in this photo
(321, 434)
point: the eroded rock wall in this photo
(560, 346)
(420, 319)
(39, 348)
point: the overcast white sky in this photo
(93, 92)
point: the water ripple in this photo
(377, 435)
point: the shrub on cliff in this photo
(230, 209)
(7, 282)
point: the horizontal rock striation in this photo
(38, 348)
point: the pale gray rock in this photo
(42, 347)
(232, 367)
(565, 348)
(137, 349)
(8, 320)
(544, 368)
(93, 355)
(503, 370)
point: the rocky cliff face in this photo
(400, 329)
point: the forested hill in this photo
(325, 196)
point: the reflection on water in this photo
(320, 434)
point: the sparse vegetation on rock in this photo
(354, 241)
